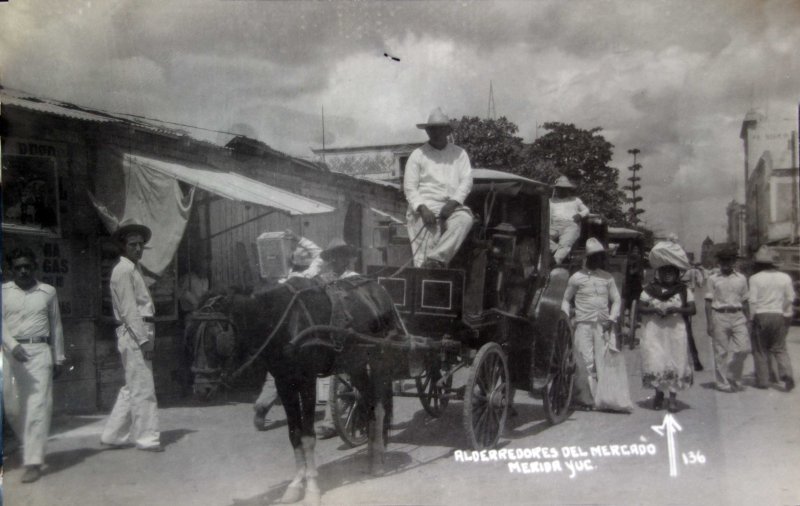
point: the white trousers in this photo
(562, 237)
(135, 414)
(431, 242)
(28, 399)
(589, 342)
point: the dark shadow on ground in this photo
(345, 471)
(421, 430)
(169, 437)
(64, 423)
(223, 397)
(647, 404)
(59, 461)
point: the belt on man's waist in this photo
(146, 319)
(32, 340)
(726, 309)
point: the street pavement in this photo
(741, 448)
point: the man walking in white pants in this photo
(134, 418)
(33, 350)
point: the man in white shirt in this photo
(437, 180)
(134, 418)
(33, 351)
(727, 312)
(566, 212)
(771, 298)
(591, 290)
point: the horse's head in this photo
(212, 339)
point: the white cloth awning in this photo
(236, 187)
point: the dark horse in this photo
(296, 354)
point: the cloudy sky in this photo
(672, 78)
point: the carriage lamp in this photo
(503, 243)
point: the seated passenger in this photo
(566, 212)
(437, 180)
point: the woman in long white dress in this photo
(666, 364)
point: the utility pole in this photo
(491, 112)
(633, 188)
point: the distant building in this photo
(380, 162)
(771, 174)
(707, 253)
(737, 226)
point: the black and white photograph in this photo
(434, 253)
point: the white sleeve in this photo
(56, 330)
(569, 294)
(616, 300)
(465, 178)
(411, 181)
(789, 296)
(582, 209)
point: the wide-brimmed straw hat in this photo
(765, 255)
(132, 226)
(563, 182)
(435, 118)
(594, 246)
(338, 248)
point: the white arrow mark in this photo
(671, 425)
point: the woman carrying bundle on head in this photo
(666, 365)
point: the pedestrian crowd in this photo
(744, 316)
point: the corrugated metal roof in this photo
(27, 101)
(236, 187)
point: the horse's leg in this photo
(308, 401)
(291, 404)
(382, 406)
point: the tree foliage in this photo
(490, 143)
(583, 156)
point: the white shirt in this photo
(771, 291)
(317, 263)
(131, 299)
(726, 291)
(32, 313)
(592, 291)
(562, 211)
(434, 176)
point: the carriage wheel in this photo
(348, 410)
(486, 397)
(558, 390)
(433, 397)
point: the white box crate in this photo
(274, 254)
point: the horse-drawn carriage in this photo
(494, 312)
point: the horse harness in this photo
(226, 338)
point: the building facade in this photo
(57, 157)
(380, 162)
(737, 226)
(771, 172)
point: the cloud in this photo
(673, 78)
